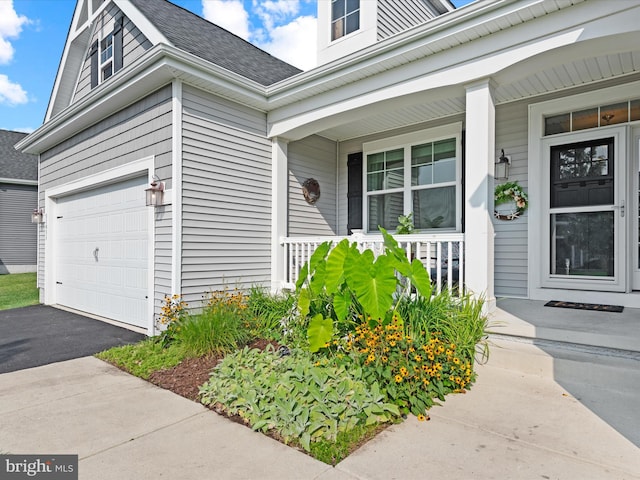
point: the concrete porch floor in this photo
(594, 356)
(530, 319)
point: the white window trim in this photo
(344, 17)
(406, 141)
(102, 64)
(536, 137)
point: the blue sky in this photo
(33, 33)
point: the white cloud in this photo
(228, 14)
(22, 129)
(272, 12)
(294, 42)
(11, 93)
(10, 27)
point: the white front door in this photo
(101, 245)
(584, 211)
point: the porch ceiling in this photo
(530, 79)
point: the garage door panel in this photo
(102, 251)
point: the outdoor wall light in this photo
(155, 193)
(502, 167)
(37, 216)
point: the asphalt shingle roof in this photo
(193, 34)
(15, 164)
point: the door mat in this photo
(585, 306)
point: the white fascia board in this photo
(483, 57)
(285, 121)
(18, 181)
(158, 67)
(143, 24)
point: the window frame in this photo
(333, 21)
(108, 62)
(406, 142)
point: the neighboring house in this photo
(409, 110)
(18, 199)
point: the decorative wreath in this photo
(510, 192)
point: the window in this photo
(602, 116)
(106, 53)
(420, 177)
(345, 17)
(106, 57)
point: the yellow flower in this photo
(417, 358)
(398, 378)
(384, 358)
(456, 360)
(421, 418)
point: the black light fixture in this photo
(37, 216)
(155, 193)
(502, 167)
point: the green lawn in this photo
(18, 290)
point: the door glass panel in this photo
(582, 174)
(582, 244)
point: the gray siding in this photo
(395, 16)
(18, 236)
(226, 195)
(312, 157)
(511, 243)
(162, 251)
(134, 44)
(138, 131)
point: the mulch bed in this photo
(186, 378)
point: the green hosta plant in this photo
(295, 396)
(341, 284)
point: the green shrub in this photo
(412, 371)
(270, 312)
(221, 327)
(295, 396)
(459, 319)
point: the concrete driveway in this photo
(39, 335)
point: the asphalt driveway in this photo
(39, 335)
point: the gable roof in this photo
(193, 34)
(13, 163)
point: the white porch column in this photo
(478, 195)
(279, 187)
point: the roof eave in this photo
(156, 68)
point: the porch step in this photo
(568, 362)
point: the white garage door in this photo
(101, 251)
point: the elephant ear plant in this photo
(340, 285)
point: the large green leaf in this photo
(320, 332)
(335, 266)
(420, 278)
(398, 254)
(373, 283)
(341, 304)
(308, 269)
(304, 302)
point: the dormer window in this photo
(106, 53)
(106, 57)
(345, 17)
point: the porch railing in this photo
(441, 254)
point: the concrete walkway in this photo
(509, 426)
